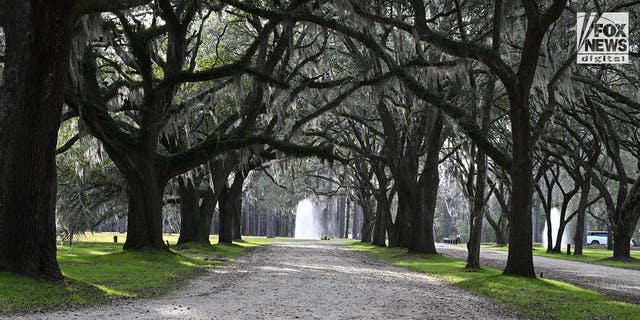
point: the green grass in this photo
(97, 270)
(595, 256)
(530, 298)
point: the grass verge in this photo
(595, 256)
(529, 298)
(97, 270)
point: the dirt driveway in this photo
(303, 280)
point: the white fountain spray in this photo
(567, 235)
(307, 220)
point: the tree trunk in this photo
(549, 230)
(501, 239)
(477, 213)
(622, 245)
(357, 224)
(400, 235)
(478, 204)
(425, 194)
(37, 35)
(623, 225)
(347, 211)
(236, 234)
(496, 229)
(380, 229)
(422, 237)
(499, 228)
(230, 198)
(581, 215)
(557, 248)
(225, 215)
(503, 221)
(195, 221)
(609, 237)
(520, 257)
(144, 192)
(367, 224)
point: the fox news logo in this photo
(603, 39)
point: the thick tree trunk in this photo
(622, 244)
(37, 35)
(520, 257)
(622, 226)
(229, 201)
(225, 216)
(380, 228)
(367, 224)
(424, 196)
(196, 215)
(144, 227)
(400, 235)
(579, 238)
(422, 237)
(624, 222)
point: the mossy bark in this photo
(38, 35)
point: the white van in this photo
(599, 237)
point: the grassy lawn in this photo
(530, 298)
(98, 270)
(596, 256)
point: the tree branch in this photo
(215, 145)
(68, 144)
(228, 70)
(82, 7)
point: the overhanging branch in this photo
(208, 149)
(82, 7)
(68, 144)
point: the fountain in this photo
(307, 220)
(567, 235)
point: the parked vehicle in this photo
(597, 237)
(600, 237)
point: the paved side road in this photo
(305, 280)
(617, 283)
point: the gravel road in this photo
(302, 280)
(617, 283)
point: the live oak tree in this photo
(38, 38)
(616, 128)
(134, 145)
